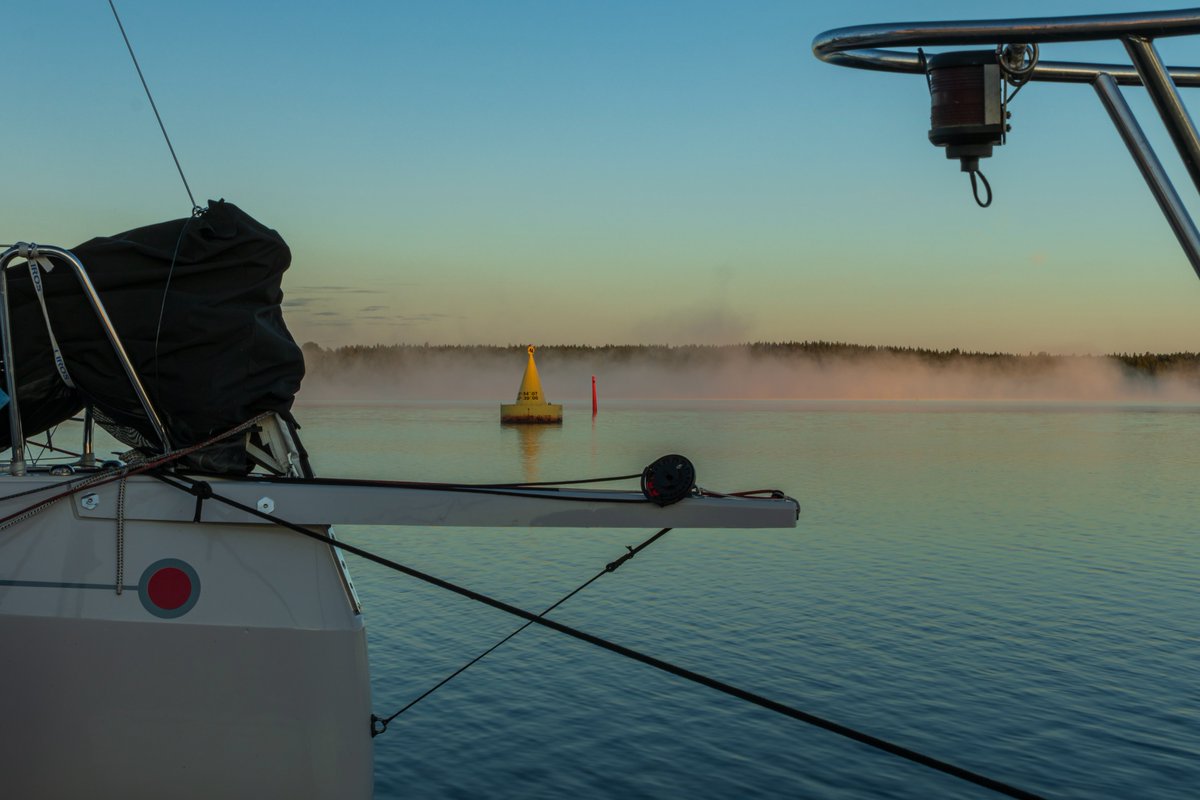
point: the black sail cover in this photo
(196, 303)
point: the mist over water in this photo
(494, 375)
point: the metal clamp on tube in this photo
(32, 251)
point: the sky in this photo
(601, 172)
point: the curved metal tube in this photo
(1151, 168)
(1165, 96)
(864, 46)
(27, 251)
(16, 464)
(1049, 71)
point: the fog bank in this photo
(494, 374)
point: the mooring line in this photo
(379, 724)
(665, 666)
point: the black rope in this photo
(564, 483)
(109, 474)
(499, 489)
(162, 127)
(975, 188)
(379, 724)
(203, 491)
(39, 489)
(665, 666)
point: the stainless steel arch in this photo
(866, 47)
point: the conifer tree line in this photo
(396, 356)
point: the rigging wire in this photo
(33, 459)
(202, 489)
(195, 208)
(379, 724)
(171, 271)
(49, 445)
(108, 475)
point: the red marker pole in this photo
(593, 395)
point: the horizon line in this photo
(810, 344)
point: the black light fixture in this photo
(968, 104)
(966, 116)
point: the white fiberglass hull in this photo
(141, 710)
(232, 664)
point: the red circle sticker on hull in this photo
(169, 588)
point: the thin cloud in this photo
(427, 317)
(337, 289)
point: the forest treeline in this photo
(329, 361)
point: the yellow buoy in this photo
(531, 405)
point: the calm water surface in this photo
(1012, 588)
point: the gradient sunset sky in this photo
(600, 172)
